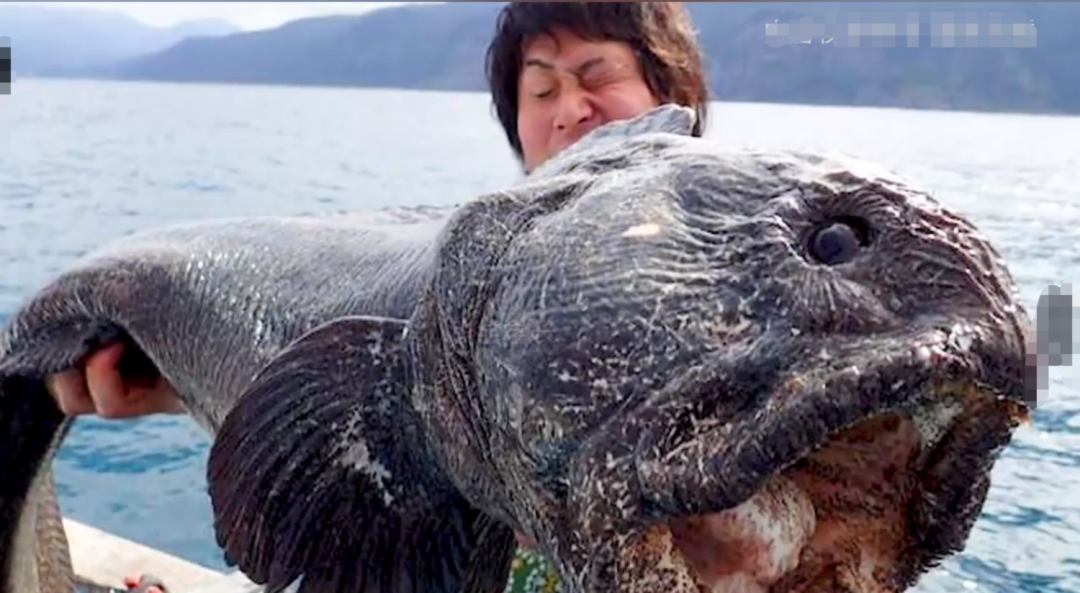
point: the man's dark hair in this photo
(661, 35)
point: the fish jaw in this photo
(850, 516)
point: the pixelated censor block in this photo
(1055, 317)
(5, 66)
(905, 29)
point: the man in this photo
(559, 69)
(555, 70)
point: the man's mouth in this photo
(868, 509)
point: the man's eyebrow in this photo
(538, 63)
(589, 64)
(579, 71)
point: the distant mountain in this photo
(442, 47)
(411, 46)
(51, 39)
(1044, 78)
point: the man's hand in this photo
(98, 387)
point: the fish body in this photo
(675, 366)
(203, 304)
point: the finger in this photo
(141, 401)
(160, 398)
(165, 400)
(106, 385)
(69, 390)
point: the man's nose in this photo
(575, 108)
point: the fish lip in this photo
(908, 371)
(913, 370)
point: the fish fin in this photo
(53, 554)
(31, 429)
(320, 471)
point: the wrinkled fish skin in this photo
(640, 333)
(635, 334)
(209, 303)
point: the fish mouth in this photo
(855, 476)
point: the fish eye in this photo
(839, 240)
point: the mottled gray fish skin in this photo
(640, 336)
(635, 357)
(207, 304)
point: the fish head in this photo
(707, 370)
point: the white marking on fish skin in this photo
(793, 199)
(642, 230)
(358, 458)
(782, 516)
(753, 545)
(960, 337)
(868, 565)
(923, 353)
(375, 343)
(739, 582)
(933, 421)
(733, 329)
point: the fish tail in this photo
(33, 556)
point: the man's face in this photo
(569, 86)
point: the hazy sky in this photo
(248, 15)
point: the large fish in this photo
(674, 366)
(204, 304)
